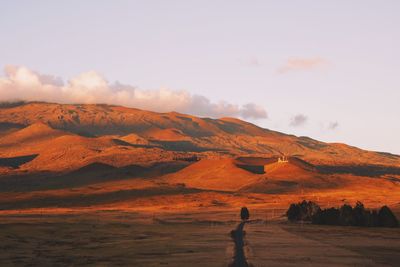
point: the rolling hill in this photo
(53, 155)
(172, 132)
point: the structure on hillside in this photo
(283, 159)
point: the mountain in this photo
(97, 156)
(106, 133)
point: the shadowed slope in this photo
(91, 174)
(33, 133)
(15, 162)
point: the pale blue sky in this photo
(231, 51)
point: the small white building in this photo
(283, 159)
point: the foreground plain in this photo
(194, 239)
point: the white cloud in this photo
(21, 83)
(296, 64)
(251, 110)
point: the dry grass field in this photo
(105, 238)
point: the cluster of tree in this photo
(345, 215)
(302, 211)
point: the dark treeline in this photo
(345, 215)
(362, 170)
(11, 104)
(187, 158)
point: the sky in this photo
(329, 70)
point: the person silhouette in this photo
(244, 214)
(239, 257)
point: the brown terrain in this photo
(74, 163)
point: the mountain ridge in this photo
(173, 133)
(97, 156)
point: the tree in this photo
(386, 218)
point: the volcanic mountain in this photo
(112, 154)
(102, 129)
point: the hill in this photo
(97, 156)
(181, 133)
(221, 175)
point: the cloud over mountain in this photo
(333, 125)
(298, 120)
(21, 83)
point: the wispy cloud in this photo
(298, 120)
(21, 83)
(296, 64)
(333, 125)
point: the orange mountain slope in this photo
(221, 174)
(54, 155)
(176, 132)
(34, 133)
